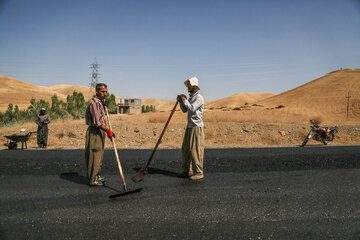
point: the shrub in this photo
(74, 106)
(147, 108)
(111, 101)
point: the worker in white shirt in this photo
(194, 138)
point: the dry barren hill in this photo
(324, 96)
(69, 89)
(230, 102)
(160, 105)
(237, 100)
(19, 93)
(88, 92)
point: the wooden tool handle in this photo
(161, 135)
(115, 150)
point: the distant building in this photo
(129, 106)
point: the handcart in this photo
(14, 139)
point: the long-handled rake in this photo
(118, 162)
(143, 171)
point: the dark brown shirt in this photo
(43, 119)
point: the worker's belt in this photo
(95, 127)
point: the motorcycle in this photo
(322, 134)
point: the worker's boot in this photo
(100, 178)
(197, 176)
(185, 174)
(96, 183)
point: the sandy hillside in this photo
(324, 96)
(237, 100)
(19, 93)
(68, 90)
(230, 102)
(160, 105)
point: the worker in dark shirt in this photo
(42, 121)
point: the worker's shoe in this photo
(197, 176)
(185, 174)
(96, 183)
(100, 178)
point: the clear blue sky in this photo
(147, 48)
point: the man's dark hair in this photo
(99, 85)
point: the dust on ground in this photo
(143, 131)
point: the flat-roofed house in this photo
(129, 106)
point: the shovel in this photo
(126, 191)
(143, 171)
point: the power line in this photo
(95, 75)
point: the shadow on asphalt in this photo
(111, 188)
(159, 171)
(74, 177)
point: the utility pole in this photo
(95, 75)
(348, 105)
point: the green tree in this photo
(55, 103)
(58, 108)
(70, 103)
(9, 112)
(10, 107)
(2, 119)
(32, 104)
(79, 100)
(111, 101)
(75, 105)
(17, 113)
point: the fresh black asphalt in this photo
(247, 193)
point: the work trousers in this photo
(193, 150)
(94, 152)
(42, 135)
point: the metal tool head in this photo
(125, 193)
(139, 175)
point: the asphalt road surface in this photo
(247, 193)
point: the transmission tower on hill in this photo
(95, 75)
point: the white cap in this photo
(42, 109)
(193, 81)
(22, 130)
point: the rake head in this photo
(125, 193)
(139, 175)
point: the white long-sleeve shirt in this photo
(195, 108)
